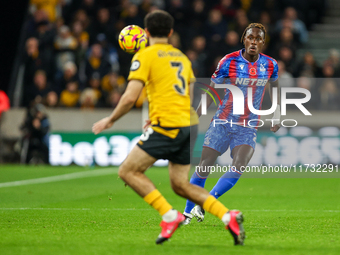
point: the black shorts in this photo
(177, 150)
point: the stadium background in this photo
(78, 205)
(67, 59)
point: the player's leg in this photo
(132, 173)
(242, 154)
(216, 142)
(199, 178)
(178, 174)
(242, 146)
(154, 145)
(179, 182)
(241, 157)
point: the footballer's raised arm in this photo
(125, 104)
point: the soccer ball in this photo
(132, 38)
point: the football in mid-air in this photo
(132, 38)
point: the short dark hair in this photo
(254, 25)
(159, 23)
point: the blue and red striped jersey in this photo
(234, 69)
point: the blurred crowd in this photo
(72, 57)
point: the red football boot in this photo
(168, 228)
(235, 227)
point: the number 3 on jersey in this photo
(179, 88)
(145, 136)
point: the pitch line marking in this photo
(63, 177)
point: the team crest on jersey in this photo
(252, 71)
(262, 69)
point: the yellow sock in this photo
(157, 201)
(215, 207)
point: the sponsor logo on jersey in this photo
(251, 82)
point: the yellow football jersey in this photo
(166, 73)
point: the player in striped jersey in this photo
(245, 68)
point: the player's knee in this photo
(202, 171)
(207, 162)
(122, 172)
(178, 187)
(240, 164)
(208, 157)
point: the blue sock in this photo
(195, 179)
(225, 183)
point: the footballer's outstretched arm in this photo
(277, 113)
(125, 104)
(209, 100)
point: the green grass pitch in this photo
(98, 215)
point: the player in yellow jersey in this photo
(166, 74)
